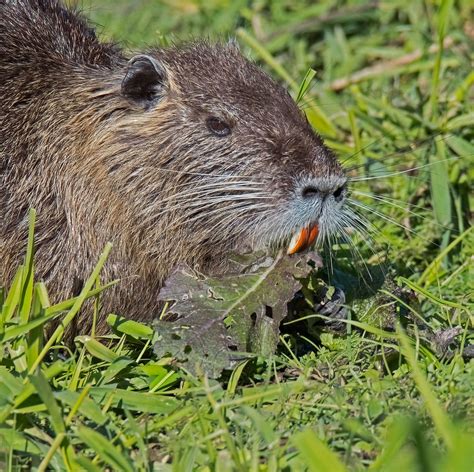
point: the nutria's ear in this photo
(144, 81)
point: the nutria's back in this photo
(177, 154)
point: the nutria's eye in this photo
(217, 126)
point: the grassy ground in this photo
(393, 96)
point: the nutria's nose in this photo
(322, 190)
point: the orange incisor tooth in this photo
(312, 235)
(302, 240)
(298, 241)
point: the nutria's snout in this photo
(322, 190)
(318, 204)
(320, 197)
(317, 208)
(311, 211)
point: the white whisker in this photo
(406, 171)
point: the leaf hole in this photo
(268, 311)
(253, 317)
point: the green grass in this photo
(393, 91)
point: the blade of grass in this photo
(441, 420)
(75, 308)
(52, 450)
(68, 304)
(13, 297)
(44, 390)
(443, 17)
(27, 292)
(305, 84)
(35, 335)
(97, 349)
(316, 455)
(28, 389)
(130, 327)
(429, 274)
(430, 296)
(106, 451)
(440, 188)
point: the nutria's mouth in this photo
(303, 238)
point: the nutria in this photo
(179, 154)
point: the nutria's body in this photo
(181, 154)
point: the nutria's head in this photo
(226, 158)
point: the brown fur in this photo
(99, 167)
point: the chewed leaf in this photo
(218, 321)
